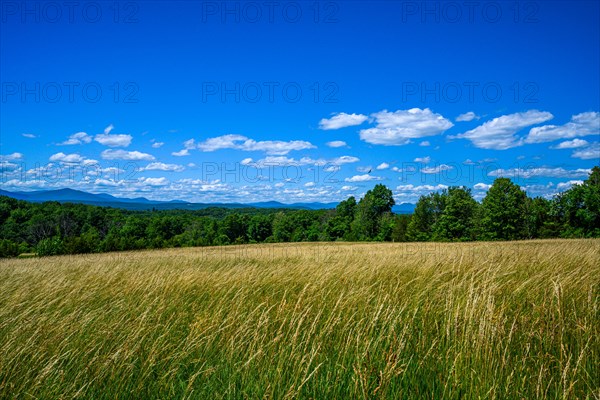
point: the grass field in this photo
(516, 320)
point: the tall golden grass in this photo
(327, 321)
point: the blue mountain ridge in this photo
(142, 203)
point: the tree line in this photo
(505, 213)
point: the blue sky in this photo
(297, 101)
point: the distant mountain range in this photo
(142, 203)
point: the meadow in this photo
(485, 320)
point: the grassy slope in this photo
(480, 320)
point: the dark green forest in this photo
(506, 213)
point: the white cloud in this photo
(363, 178)
(383, 165)
(66, 158)
(540, 172)
(159, 166)
(466, 117)
(482, 186)
(154, 181)
(342, 120)
(77, 138)
(437, 169)
(421, 188)
(584, 124)
(367, 169)
(181, 153)
(309, 184)
(398, 128)
(157, 145)
(568, 184)
(126, 155)
(343, 160)
(337, 143)
(571, 144)
(282, 161)
(424, 160)
(11, 157)
(349, 188)
(592, 152)
(29, 135)
(120, 140)
(239, 142)
(424, 143)
(108, 129)
(6, 166)
(187, 146)
(500, 132)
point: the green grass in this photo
(514, 320)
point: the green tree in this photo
(339, 226)
(260, 227)
(504, 211)
(400, 228)
(370, 210)
(457, 220)
(579, 208)
(428, 211)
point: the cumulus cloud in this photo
(66, 158)
(120, 140)
(126, 155)
(29, 135)
(399, 127)
(363, 178)
(283, 161)
(500, 133)
(162, 181)
(337, 143)
(187, 146)
(437, 169)
(181, 153)
(571, 144)
(466, 117)
(159, 166)
(157, 145)
(77, 138)
(424, 143)
(342, 120)
(584, 124)
(424, 160)
(421, 188)
(482, 186)
(11, 157)
(592, 152)
(527, 173)
(568, 184)
(239, 142)
(383, 165)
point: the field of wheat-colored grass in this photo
(515, 320)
